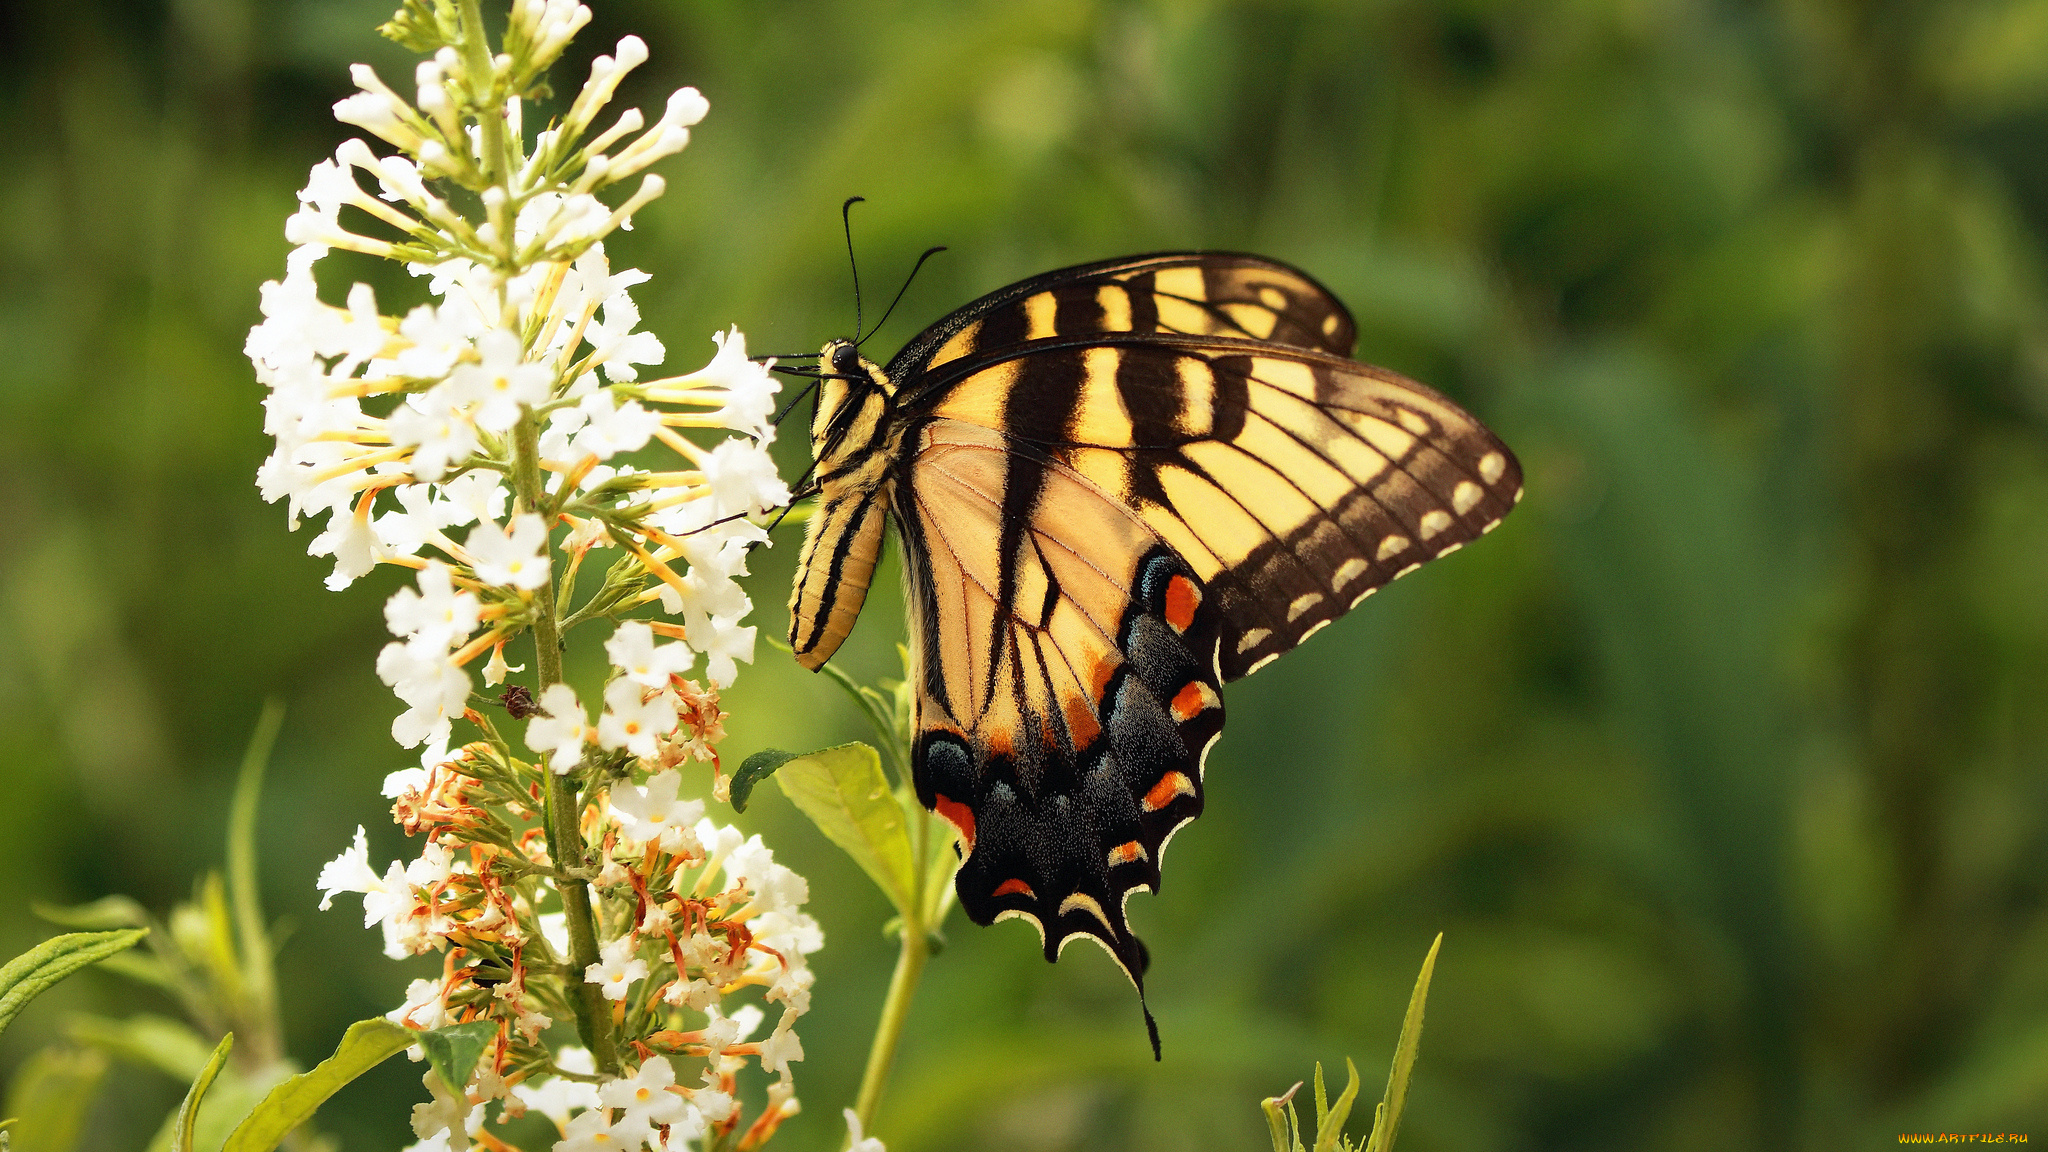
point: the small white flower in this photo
(654, 815)
(635, 720)
(646, 1097)
(635, 654)
(616, 969)
(435, 424)
(781, 1047)
(856, 1142)
(435, 688)
(516, 558)
(448, 1111)
(423, 1007)
(502, 382)
(496, 668)
(592, 1132)
(713, 1103)
(437, 615)
(618, 346)
(348, 872)
(743, 478)
(750, 388)
(561, 729)
(610, 427)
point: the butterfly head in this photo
(854, 400)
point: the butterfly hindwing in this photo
(1067, 692)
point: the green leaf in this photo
(756, 768)
(1330, 1120)
(366, 1044)
(883, 712)
(1280, 1121)
(453, 1051)
(52, 1094)
(170, 1046)
(845, 794)
(188, 1112)
(105, 913)
(257, 978)
(1387, 1118)
(26, 976)
(145, 968)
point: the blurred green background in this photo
(1720, 766)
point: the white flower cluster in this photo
(489, 437)
(702, 913)
(403, 430)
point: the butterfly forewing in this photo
(1179, 293)
(1293, 483)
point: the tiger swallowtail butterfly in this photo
(1118, 486)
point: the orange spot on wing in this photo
(999, 741)
(1182, 598)
(1081, 721)
(1126, 853)
(1014, 885)
(1191, 700)
(959, 816)
(1170, 785)
(1105, 667)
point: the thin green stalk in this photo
(256, 959)
(563, 809)
(895, 1010)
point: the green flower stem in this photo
(564, 831)
(895, 1010)
(476, 52)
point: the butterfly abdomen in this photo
(853, 442)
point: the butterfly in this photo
(1118, 487)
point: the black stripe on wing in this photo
(1227, 294)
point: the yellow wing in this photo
(1293, 483)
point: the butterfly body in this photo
(1118, 487)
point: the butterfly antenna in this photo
(846, 219)
(803, 490)
(793, 402)
(928, 254)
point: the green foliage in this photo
(51, 1097)
(422, 25)
(754, 769)
(33, 972)
(1723, 760)
(366, 1044)
(1284, 1127)
(453, 1051)
(846, 795)
(185, 1122)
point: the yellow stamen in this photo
(666, 574)
(366, 460)
(575, 475)
(683, 447)
(368, 386)
(679, 498)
